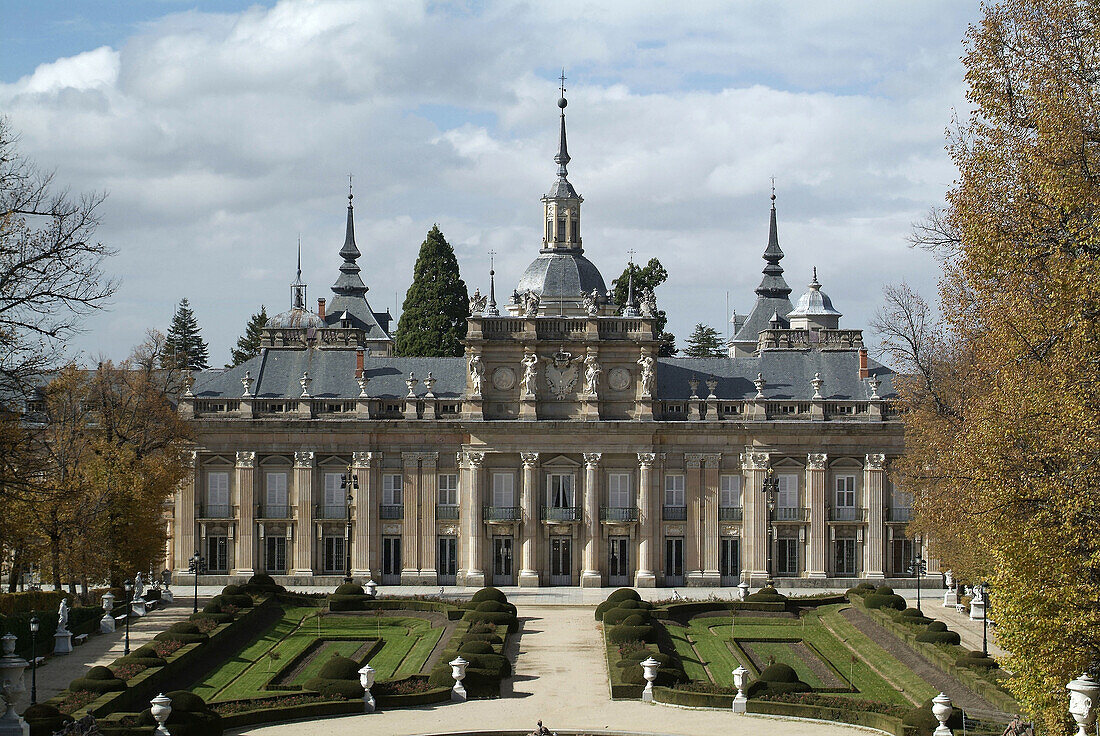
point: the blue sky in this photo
(223, 130)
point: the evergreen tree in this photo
(704, 342)
(185, 347)
(248, 344)
(650, 276)
(433, 317)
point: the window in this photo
(275, 496)
(335, 503)
(275, 554)
(559, 490)
(391, 489)
(448, 490)
(845, 491)
(844, 557)
(786, 554)
(729, 491)
(787, 497)
(504, 490)
(576, 222)
(217, 495)
(674, 490)
(561, 229)
(334, 559)
(217, 554)
(618, 491)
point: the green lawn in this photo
(711, 637)
(407, 643)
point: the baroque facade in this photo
(561, 449)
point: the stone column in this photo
(754, 528)
(374, 500)
(819, 528)
(303, 491)
(590, 575)
(185, 514)
(471, 515)
(647, 520)
(874, 549)
(528, 569)
(410, 533)
(365, 515)
(711, 463)
(693, 539)
(429, 495)
(246, 544)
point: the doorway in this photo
(447, 561)
(502, 561)
(674, 561)
(391, 560)
(561, 561)
(618, 561)
(729, 560)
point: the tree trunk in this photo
(13, 575)
(55, 560)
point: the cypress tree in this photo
(248, 344)
(184, 346)
(433, 317)
(704, 342)
(652, 275)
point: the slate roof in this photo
(276, 374)
(562, 274)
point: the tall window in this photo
(275, 498)
(845, 491)
(448, 489)
(217, 494)
(334, 555)
(275, 554)
(217, 554)
(391, 489)
(561, 228)
(504, 495)
(618, 491)
(674, 490)
(787, 497)
(729, 491)
(559, 490)
(334, 496)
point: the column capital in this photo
(530, 459)
(876, 461)
(646, 459)
(429, 458)
(246, 459)
(817, 460)
(693, 459)
(712, 459)
(754, 460)
(410, 459)
(362, 459)
(303, 459)
(473, 458)
(592, 459)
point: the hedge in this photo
(623, 633)
(32, 600)
(495, 618)
(884, 600)
(840, 715)
(684, 611)
(98, 680)
(489, 594)
(277, 713)
(44, 719)
(190, 716)
(616, 616)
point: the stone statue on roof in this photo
(478, 302)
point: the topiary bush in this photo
(489, 594)
(338, 603)
(624, 633)
(975, 660)
(145, 655)
(349, 589)
(44, 719)
(767, 595)
(860, 590)
(888, 599)
(913, 617)
(190, 716)
(184, 632)
(241, 600)
(488, 638)
(232, 590)
(937, 633)
(495, 607)
(262, 583)
(479, 683)
(338, 678)
(475, 647)
(617, 616)
(776, 679)
(500, 618)
(98, 680)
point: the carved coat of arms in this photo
(562, 372)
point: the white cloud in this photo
(221, 137)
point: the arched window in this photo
(549, 230)
(575, 227)
(561, 228)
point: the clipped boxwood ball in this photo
(262, 580)
(349, 589)
(623, 633)
(99, 673)
(488, 638)
(938, 637)
(339, 668)
(624, 594)
(635, 619)
(884, 590)
(937, 626)
(489, 594)
(618, 615)
(492, 607)
(183, 627)
(778, 673)
(475, 647)
(232, 590)
(884, 600)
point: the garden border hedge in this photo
(877, 721)
(279, 714)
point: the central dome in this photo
(562, 277)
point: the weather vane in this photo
(562, 78)
(350, 195)
(492, 254)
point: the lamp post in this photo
(771, 486)
(34, 659)
(985, 618)
(919, 566)
(350, 483)
(129, 584)
(196, 566)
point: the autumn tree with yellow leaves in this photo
(1003, 393)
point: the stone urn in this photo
(649, 672)
(12, 687)
(743, 589)
(161, 707)
(740, 679)
(942, 710)
(372, 587)
(458, 672)
(107, 623)
(366, 679)
(1083, 695)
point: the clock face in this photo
(618, 379)
(504, 378)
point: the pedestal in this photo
(591, 409)
(527, 410)
(950, 599)
(591, 579)
(166, 596)
(528, 579)
(740, 704)
(63, 642)
(138, 607)
(645, 580)
(13, 725)
(977, 610)
(107, 624)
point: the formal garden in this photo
(801, 656)
(257, 653)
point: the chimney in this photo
(864, 372)
(321, 307)
(359, 363)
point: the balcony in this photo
(274, 511)
(500, 514)
(332, 512)
(791, 514)
(847, 513)
(446, 512)
(899, 514)
(560, 514)
(392, 511)
(214, 511)
(730, 513)
(674, 513)
(618, 514)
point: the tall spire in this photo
(349, 283)
(562, 159)
(297, 288)
(492, 310)
(773, 284)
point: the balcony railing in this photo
(214, 511)
(500, 513)
(847, 513)
(332, 512)
(674, 513)
(271, 511)
(446, 512)
(392, 511)
(617, 513)
(784, 513)
(730, 513)
(899, 514)
(560, 513)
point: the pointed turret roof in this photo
(349, 282)
(350, 291)
(561, 188)
(773, 293)
(773, 285)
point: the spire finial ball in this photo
(562, 102)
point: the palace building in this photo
(561, 449)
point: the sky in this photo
(224, 131)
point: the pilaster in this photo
(471, 514)
(693, 541)
(429, 494)
(874, 551)
(303, 491)
(185, 513)
(815, 485)
(711, 464)
(365, 515)
(410, 534)
(590, 575)
(528, 570)
(246, 545)
(755, 520)
(644, 577)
